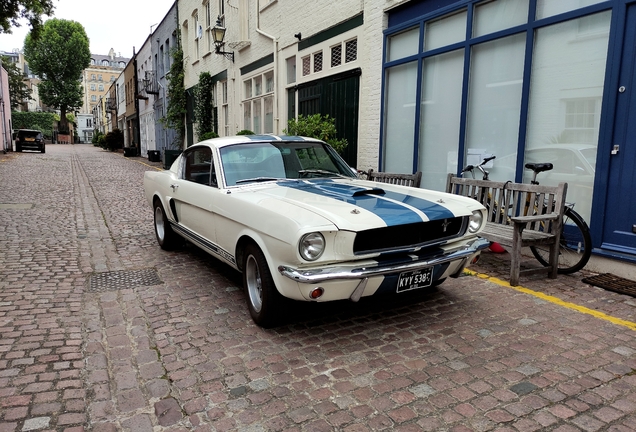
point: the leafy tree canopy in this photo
(317, 126)
(176, 109)
(11, 11)
(18, 90)
(58, 56)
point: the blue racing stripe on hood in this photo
(391, 212)
(433, 210)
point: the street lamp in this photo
(218, 33)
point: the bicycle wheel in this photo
(575, 245)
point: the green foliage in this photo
(32, 10)
(19, 91)
(317, 126)
(42, 121)
(114, 140)
(203, 110)
(58, 56)
(208, 135)
(176, 109)
(96, 135)
(245, 132)
(102, 141)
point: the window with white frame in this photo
(291, 70)
(93, 87)
(225, 109)
(336, 55)
(306, 65)
(317, 61)
(197, 33)
(101, 87)
(258, 103)
(208, 26)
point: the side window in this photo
(199, 167)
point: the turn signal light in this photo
(316, 293)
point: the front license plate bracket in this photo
(415, 279)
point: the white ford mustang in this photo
(297, 222)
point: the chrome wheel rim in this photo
(254, 284)
(160, 228)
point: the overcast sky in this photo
(117, 24)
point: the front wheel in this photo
(575, 246)
(263, 299)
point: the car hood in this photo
(355, 205)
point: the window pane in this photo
(291, 70)
(445, 31)
(494, 103)
(248, 89)
(257, 116)
(440, 117)
(336, 55)
(258, 85)
(269, 82)
(399, 117)
(269, 114)
(403, 44)
(247, 116)
(566, 89)
(492, 16)
(548, 8)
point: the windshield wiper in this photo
(320, 171)
(257, 180)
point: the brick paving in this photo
(182, 354)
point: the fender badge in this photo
(355, 211)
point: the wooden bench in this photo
(412, 180)
(509, 221)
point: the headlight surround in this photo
(311, 246)
(476, 220)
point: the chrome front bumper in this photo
(340, 272)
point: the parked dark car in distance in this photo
(29, 139)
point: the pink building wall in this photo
(6, 141)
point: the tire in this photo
(18, 148)
(166, 237)
(263, 299)
(575, 246)
(43, 149)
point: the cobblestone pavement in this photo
(101, 330)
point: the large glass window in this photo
(403, 44)
(492, 16)
(399, 117)
(258, 103)
(494, 102)
(547, 8)
(566, 89)
(440, 114)
(445, 31)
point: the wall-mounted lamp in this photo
(298, 36)
(218, 33)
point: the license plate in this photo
(415, 279)
(29, 139)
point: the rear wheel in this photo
(166, 237)
(263, 299)
(43, 149)
(575, 246)
(18, 148)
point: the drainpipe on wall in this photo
(275, 42)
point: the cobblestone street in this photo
(101, 330)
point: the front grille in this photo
(410, 235)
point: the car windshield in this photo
(30, 134)
(269, 161)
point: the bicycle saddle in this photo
(539, 167)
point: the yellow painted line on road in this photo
(143, 163)
(555, 300)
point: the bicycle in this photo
(575, 245)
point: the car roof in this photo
(246, 139)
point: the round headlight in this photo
(311, 246)
(476, 219)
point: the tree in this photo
(11, 11)
(317, 126)
(19, 91)
(58, 56)
(176, 109)
(204, 108)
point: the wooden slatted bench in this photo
(511, 224)
(412, 180)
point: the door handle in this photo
(174, 187)
(615, 149)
